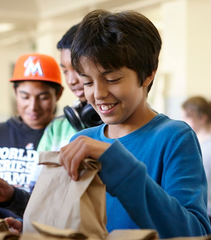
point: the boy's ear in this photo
(59, 94)
(149, 79)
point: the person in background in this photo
(151, 164)
(197, 113)
(37, 85)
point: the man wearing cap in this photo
(38, 86)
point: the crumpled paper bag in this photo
(61, 202)
(46, 232)
(51, 233)
(3, 225)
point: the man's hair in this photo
(198, 105)
(67, 39)
(56, 86)
(115, 40)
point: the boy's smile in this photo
(105, 108)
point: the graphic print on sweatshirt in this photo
(16, 165)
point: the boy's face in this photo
(114, 93)
(36, 102)
(73, 80)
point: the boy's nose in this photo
(33, 104)
(72, 79)
(100, 91)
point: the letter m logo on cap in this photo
(32, 67)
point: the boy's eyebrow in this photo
(108, 71)
(103, 73)
(61, 65)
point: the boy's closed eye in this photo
(113, 80)
(24, 96)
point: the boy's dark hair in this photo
(115, 40)
(67, 39)
(56, 86)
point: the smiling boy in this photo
(151, 164)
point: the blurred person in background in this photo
(196, 112)
(37, 84)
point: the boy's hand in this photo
(15, 226)
(6, 191)
(82, 147)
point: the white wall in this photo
(174, 57)
(199, 48)
(186, 53)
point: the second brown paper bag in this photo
(61, 202)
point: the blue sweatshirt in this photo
(155, 179)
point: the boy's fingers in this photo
(10, 221)
(74, 169)
(16, 225)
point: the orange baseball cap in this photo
(38, 67)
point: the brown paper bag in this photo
(59, 233)
(8, 236)
(3, 226)
(63, 203)
(56, 234)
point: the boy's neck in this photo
(121, 130)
